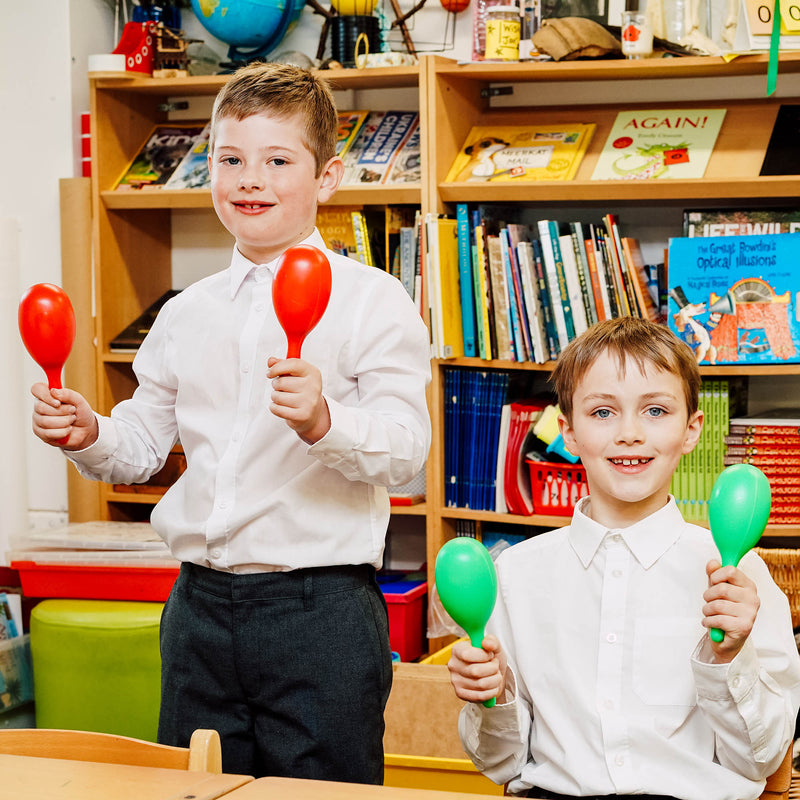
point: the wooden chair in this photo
(204, 753)
(779, 783)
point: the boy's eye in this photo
(279, 162)
(231, 161)
(656, 412)
(602, 413)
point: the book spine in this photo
(598, 285)
(465, 280)
(573, 284)
(407, 259)
(553, 291)
(519, 291)
(514, 311)
(584, 276)
(540, 350)
(480, 289)
(486, 281)
(505, 343)
(544, 297)
(558, 259)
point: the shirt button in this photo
(611, 638)
(735, 682)
(245, 368)
(259, 306)
(617, 573)
(223, 504)
(616, 537)
(619, 760)
(215, 553)
(608, 704)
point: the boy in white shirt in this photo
(276, 632)
(598, 653)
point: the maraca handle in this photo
(476, 640)
(717, 635)
(295, 346)
(54, 382)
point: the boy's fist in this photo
(62, 414)
(731, 604)
(478, 674)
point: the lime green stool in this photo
(97, 666)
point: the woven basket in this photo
(784, 566)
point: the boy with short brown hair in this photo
(276, 632)
(598, 653)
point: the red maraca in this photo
(300, 293)
(47, 327)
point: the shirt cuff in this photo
(733, 680)
(103, 447)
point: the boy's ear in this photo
(568, 435)
(331, 177)
(693, 430)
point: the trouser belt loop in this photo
(308, 592)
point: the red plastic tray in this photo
(95, 581)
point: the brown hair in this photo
(626, 337)
(282, 90)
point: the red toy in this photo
(47, 327)
(300, 293)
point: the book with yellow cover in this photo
(659, 144)
(505, 153)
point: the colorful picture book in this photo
(377, 146)
(783, 151)
(159, 155)
(507, 153)
(733, 299)
(350, 123)
(192, 172)
(740, 221)
(659, 144)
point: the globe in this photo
(251, 28)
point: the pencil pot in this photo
(556, 488)
(345, 33)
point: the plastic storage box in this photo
(405, 601)
(556, 488)
(16, 679)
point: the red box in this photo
(556, 488)
(406, 616)
(95, 581)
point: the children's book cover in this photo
(740, 221)
(734, 299)
(659, 144)
(159, 156)
(377, 146)
(350, 123)
(192, 172)
(506, 153)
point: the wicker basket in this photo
(784, 566)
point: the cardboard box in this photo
(421, 742)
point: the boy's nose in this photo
(629, 429)
(251, 179)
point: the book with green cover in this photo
(659, 144)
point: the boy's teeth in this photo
(627, 462)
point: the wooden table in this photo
(29, 778)
(296, 789)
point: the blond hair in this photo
(282, 90)
(626, 337)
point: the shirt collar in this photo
(242, 267)
(647, 539)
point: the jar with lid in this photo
(502, 33)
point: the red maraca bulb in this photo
(47, 327)
(300, 293)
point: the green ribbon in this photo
(774, 48)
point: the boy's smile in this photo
(630, 430)
(263, 183)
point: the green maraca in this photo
(467, 585)
(738, 510)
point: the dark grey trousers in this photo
(292, 668)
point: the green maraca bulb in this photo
(466, 581)
(738, 510)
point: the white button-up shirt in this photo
(254, 496)
(614, 686)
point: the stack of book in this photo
(771, 442)
(696, 473)
(503, 289)
(473, 402)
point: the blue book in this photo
(562, 280)
(465, 280)
(544, 297)
(734, 299)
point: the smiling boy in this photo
(275, 633)
(607, 682)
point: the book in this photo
(465, 282)
(501, 322)
(192, 172)
(539, 344)
(159, 156)
(659, 144)
(377, 145)
(482, 286)
(572, 280)
(407, 166)
(636, 268)
(521, 153)
(783, 154)
(443, 240)
(734, 298)
(350, 123)
(131, 337)
(740, 221)
(335, 224)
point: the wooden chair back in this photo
(779, 783)
(204, 753)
